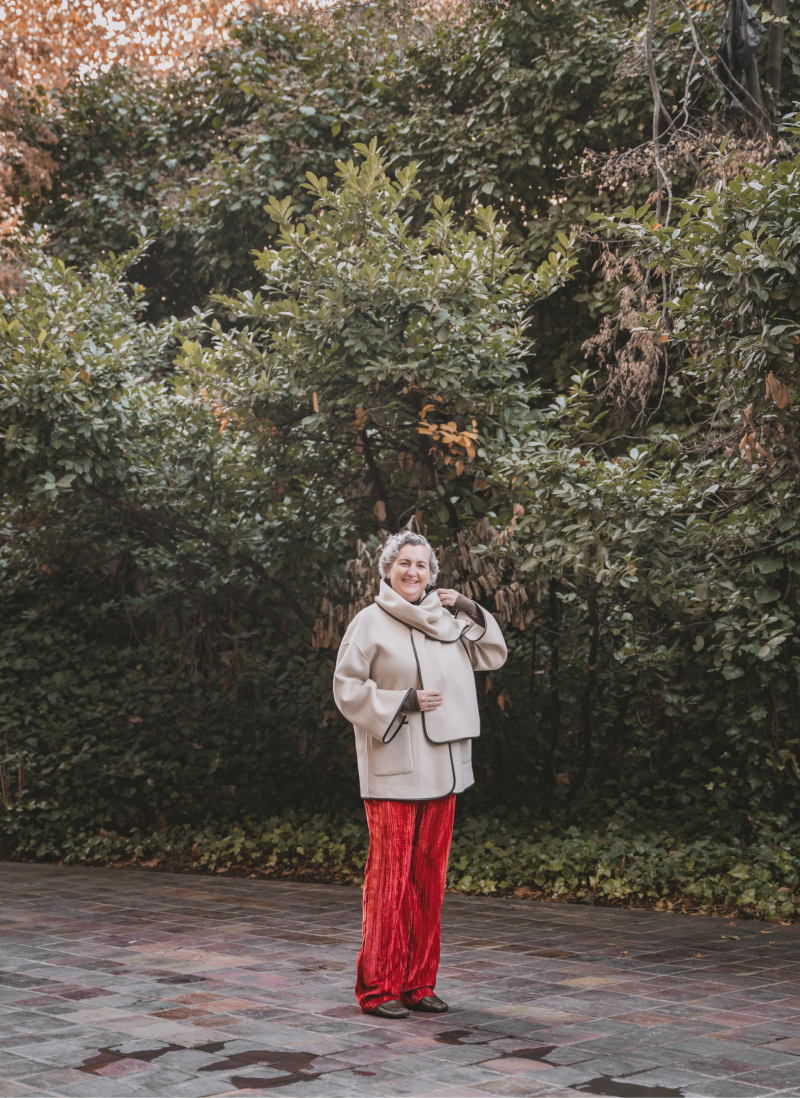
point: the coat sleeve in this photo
(359, 699)
(486, 645)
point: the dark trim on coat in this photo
(436, 743)
(394, 718)
(473, 622)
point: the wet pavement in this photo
(117, 982)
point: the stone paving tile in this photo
(117, 984)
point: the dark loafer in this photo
(393, 1009)
(431, 1004)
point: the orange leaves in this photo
(450, 436)
(562, 779)
(315, 402)
(361, 418)
(379, 511)
(411, 385)
(46, 41)
(778, 391)
(458, 465)
(220, 413)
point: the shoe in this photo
(431, 1004)
(393, 1009)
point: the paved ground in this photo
(115, 982)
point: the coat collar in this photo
(428, 615)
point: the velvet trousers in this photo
(409, 844)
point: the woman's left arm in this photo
(486, 645)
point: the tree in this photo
(44, 45)
(370, 381)
(677, 560)
(393, 358)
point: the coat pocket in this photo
(387, 759)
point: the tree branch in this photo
(755, 117)
(377, 480)
(658, 110)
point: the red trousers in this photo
(409, 844)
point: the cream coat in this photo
(395, 645)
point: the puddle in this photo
(295, 1064)
(606, 1085)
(242, 1083)
(182, 980)
(462, 1037)
(528, 1053)
(286, 1061)
(105, 1056)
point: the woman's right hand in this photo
(429, 699)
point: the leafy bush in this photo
(191, 508)
(616, 864)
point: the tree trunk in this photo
(555, 692)
(775, 50)
(761, 124)
(586, 698)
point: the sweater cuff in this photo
(411, 703)
(470, 608)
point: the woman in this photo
(405, 679)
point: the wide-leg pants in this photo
(404, 880)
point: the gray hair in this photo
(395, 543)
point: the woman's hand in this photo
(447, 596)
(429, 699)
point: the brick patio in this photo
(116, 982)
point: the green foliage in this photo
(184, 500)
(373, 351)
(682, 553)
(71, 356)
(516, 108)
(619, 863)
(192, 161)
(148, 494)
(615, 864)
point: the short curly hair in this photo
(395, 543)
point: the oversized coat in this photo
(390, 648)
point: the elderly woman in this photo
(405, 679)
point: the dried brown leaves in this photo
(626, 349)
(476, 575)
(688, 152)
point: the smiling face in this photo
(411, 572)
